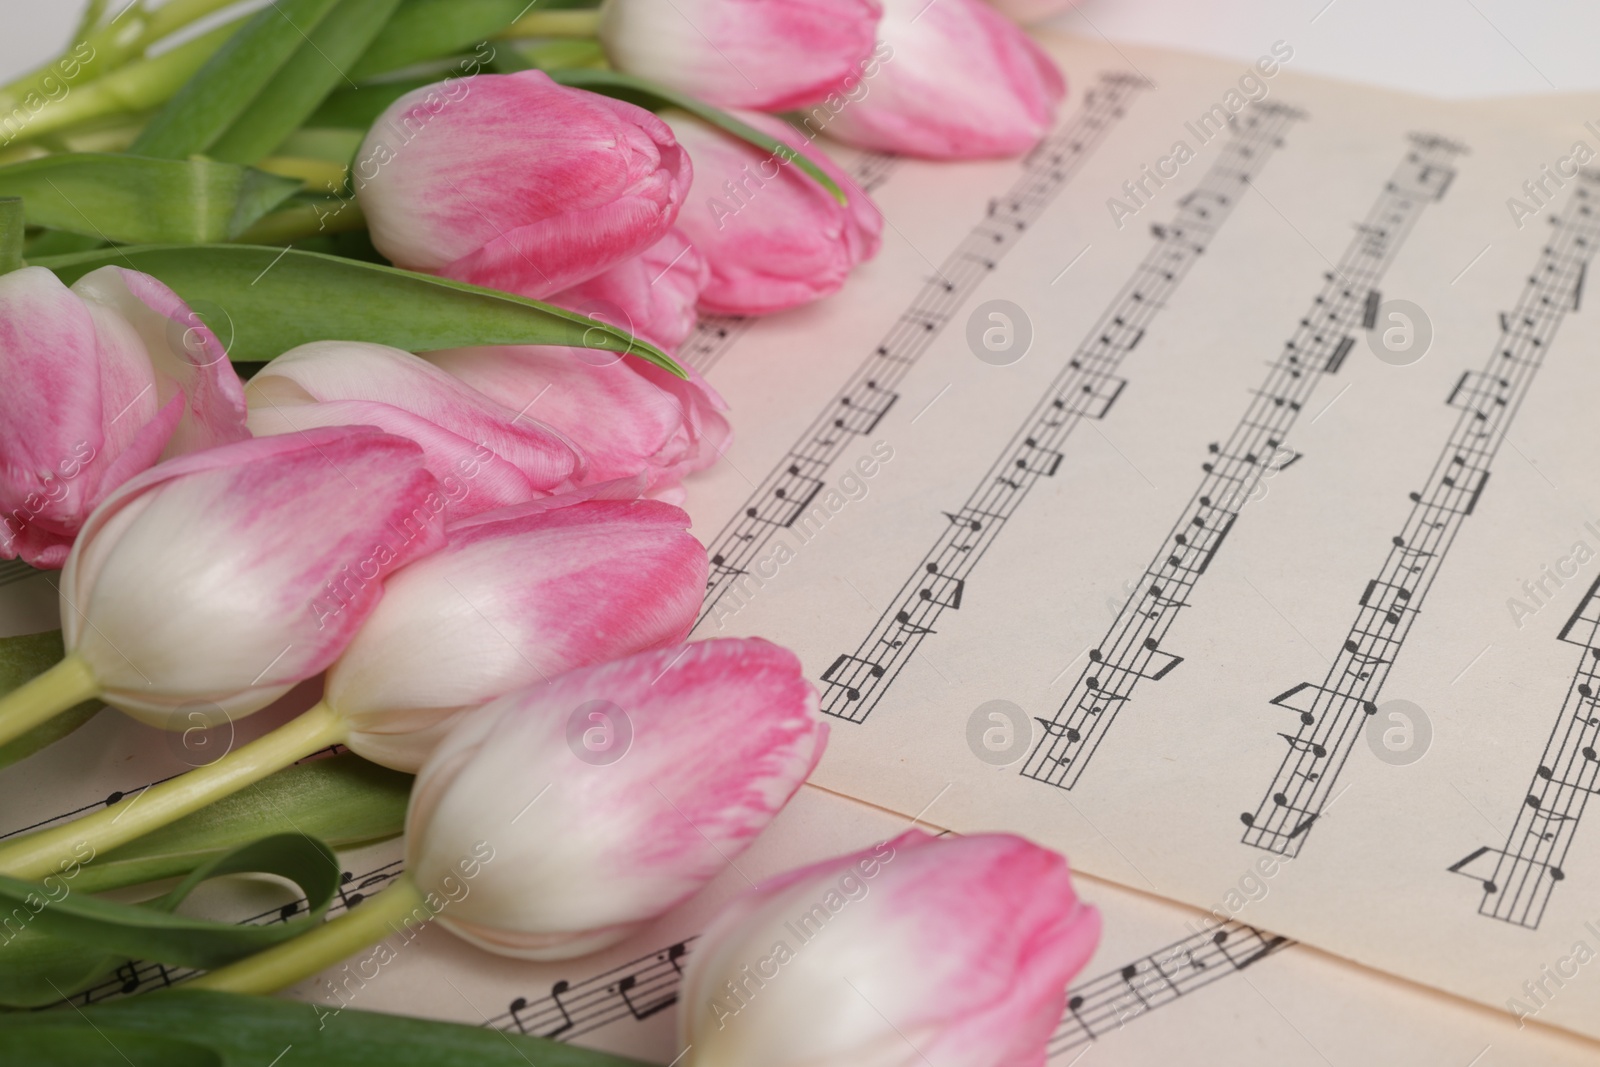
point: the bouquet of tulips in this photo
(336, 345)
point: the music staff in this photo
(782, 497)
(1085, 388)
(1518, 879)
(1333, 713)
(1131, 650)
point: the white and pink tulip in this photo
(715, 738)
(222, 578)
(98, 383)
(520, 184)
(772, 236)
(515, 597)
(773, 55)
(954, 951)
(961, 82)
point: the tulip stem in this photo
(45, 696)
(293, 961)
(40, 853)
(555, 24)
(13, 226)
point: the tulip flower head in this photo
(520, 184)
(773, 55)
(955, 951)
(225, 577)
(98, 383)
(772, 236)
(706, 743)
(630, 417)
(964, 83)
(483, 455)
(515, 597)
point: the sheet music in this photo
(1228, 567)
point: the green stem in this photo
(13, 226)
(174, 15)
(139, 85)
(45, 696)
(38, 854)
(555, 24)
(304, 220)
(293, 961)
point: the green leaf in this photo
(79, 1046)
(148, 931)
(648, 94)
(54, 931)
(12, 228)
(244, 1031)
(25, 657)
(142, 200)
(343, 800)
(305, 80)
(359, 108)
(431, 29)
(263, 83)
(278, 298)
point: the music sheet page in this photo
(1211, 497)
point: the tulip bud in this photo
(484, 455)
(518, 183)
(612, 793)
(767, 54)
(961, 82)
(772, 236)
(955, 951)
(651, 295)
(629, 417)
(224, 577)
(515, 597)
(97, 383)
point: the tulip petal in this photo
(651, 295)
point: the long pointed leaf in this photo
(245, 1031)
(142, 200)
(430, 29)
(305, 80)
(274, 299)
(223, 89)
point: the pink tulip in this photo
(962, 82)
(954, 951)
(97, 383)
(651, 295)
(484, 455)
(773, 237)
(611, 793)
(517, 183)
(629, 417)
(768, 54)
(1031, 11)
(516, 597)
(220, 579)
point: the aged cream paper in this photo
(1094, 537)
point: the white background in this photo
(1458, 48)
